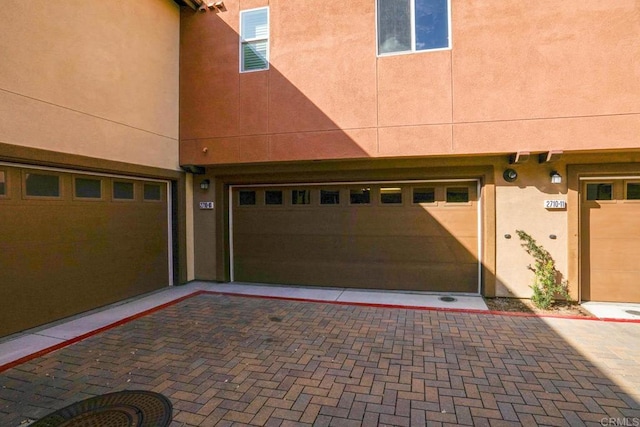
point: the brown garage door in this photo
(72, 242)
(610, 240)
(417, 236)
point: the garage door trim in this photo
(234, 187)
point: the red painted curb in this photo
(452, 310)
(360, 304)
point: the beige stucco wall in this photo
(98, 79)
(520, 206)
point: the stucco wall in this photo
(520, 206)
(520, 76)
(98, 79)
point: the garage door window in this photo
(457, 195)
(300, 197)
(424, 195)
(273, 197)
(42, 185)
(247, 198)
(329, 197)
(87, 188)
(360, 196)
(599, 191)
(633, 190)
(3, 181)
(123, 190)
(152, 192)
(391, 196)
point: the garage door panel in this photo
(365, 248)
(404, 246)
(618, 220)
(615, 286)
(408, 276)
(615, 254)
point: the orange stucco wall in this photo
(519, 76)
(97, 79)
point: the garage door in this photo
(610, 240)
(412, 236)
(75, 241)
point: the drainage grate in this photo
(633, 312)
(275, 319)
(447, 299)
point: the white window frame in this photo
(255, 39)
(412, 17)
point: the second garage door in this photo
(610, 240)
(411, 236)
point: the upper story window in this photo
(254, 39)
(413, 25)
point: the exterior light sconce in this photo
(510, 175)
(204, 184)
(556, 178)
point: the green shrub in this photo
(546, 286)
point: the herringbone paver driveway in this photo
(238, 360)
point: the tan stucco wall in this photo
(99, 79)
(520, 76)
(520, 206)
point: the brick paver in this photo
(251, 361)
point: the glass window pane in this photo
(394, 26)
(255, 24)
(3, 180)
(432, 24)
(88, 188)
(360, 196)
(300, 197)
(152, 192)
(457, 194)
(599, 191)
(329, 197)
(254, 56)
(273, 197)
(247, 197)
(391, 195)
(633, 190)
(123, 190)
(42, 185)
(424, 195)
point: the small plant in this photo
(546, 286)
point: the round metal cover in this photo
(129, 408)
(447, 299)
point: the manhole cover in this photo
(129, 408)
(275, 319)
(633, 312)
(447, 299)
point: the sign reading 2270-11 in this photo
(555, 204)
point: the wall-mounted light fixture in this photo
(204, 184)
(556, 178)
(510, 175)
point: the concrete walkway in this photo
(223, 359)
